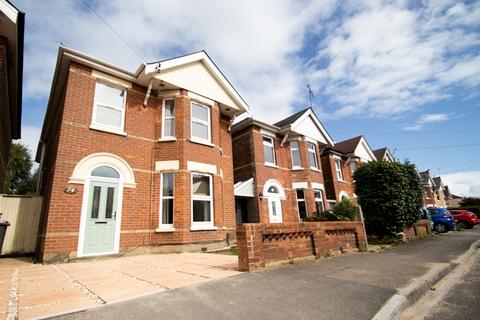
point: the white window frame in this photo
(297, 149)
(105, 127)
(272, 145)
(314, 151)
(338, 169)
(164, 117)
(301, 200)
(319, 199)
(209, 225)
(208, 123)
(351, 168)
(166, 226)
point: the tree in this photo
(390, 195)
(19, 178)
(470, 202)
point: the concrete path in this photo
(353, 286)
(32, 291)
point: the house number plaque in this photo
(70, 189)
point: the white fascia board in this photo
(203, 57)
(309, 113)
(9, 10)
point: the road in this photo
(352, 286)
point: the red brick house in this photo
(339, 163)
(12, 25)
(136, 161)
(277, 170)
(428, 186)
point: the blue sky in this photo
(405, 74)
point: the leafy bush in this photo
(345, 210)
(390, 195)
(470, 202)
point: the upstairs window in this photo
(269, 150)
(295, 149)
(302, 204)
(353, 166)
(338, 169)
(200, 115)
(109, 108)
(312, 156)
(168, 128)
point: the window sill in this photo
(109, 130)
(164, 229)
(315, 169)
(204, 142)
(297, 169)
(167, 139)
(203, 228)
(342, 181)
(271, 165)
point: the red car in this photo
(464, 218)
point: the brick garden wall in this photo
(417, 230)
(261, 244)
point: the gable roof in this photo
(347, 146)
(178, 71)
(438, 183)
(291, 119)
(383, 153)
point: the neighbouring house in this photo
(136, 161)
(339, 162)
(12, 26)
(428, 185)
(439, 190)
(383, 154)
(448, 197)
(277, 168)
(456, 201)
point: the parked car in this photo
(464, 219)
(425, 214)
(442, 219)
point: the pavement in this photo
(354, 286)
(35, 291)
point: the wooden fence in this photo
(23, 213)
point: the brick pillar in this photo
(249, 243)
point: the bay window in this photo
(312, 156)
(200, 124)
(166, 200)
(295, 150)
(168, 119)
(202, 201)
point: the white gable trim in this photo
(309, 113)
(363, 144)
(208, 63)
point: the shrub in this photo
(345, 210)
(390, 196)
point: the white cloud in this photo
(465, 183)
(426, 119)
(390, 57)
(30, 138)
(255, 43)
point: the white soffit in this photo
(244, 188)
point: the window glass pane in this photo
(274, 208)
(267, 140)
(109, 209)
(199, 112)
(353, 166)
(167, 188)
(169, 108)
(269, 157)
(300, 195)
(169, 127)
(110, 96)
(318, 194)
(312, 159)
(201, 211)
(319, 205)
(106, 172)
(199, 130)
(167, 211)
(108, 116)
(95, 202)
(272, 189)
(201, 185)
(302, 209)
(295, 154)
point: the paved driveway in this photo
(36, 291)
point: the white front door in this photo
(275, 210)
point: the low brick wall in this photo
(417, 230)
(260, 244)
